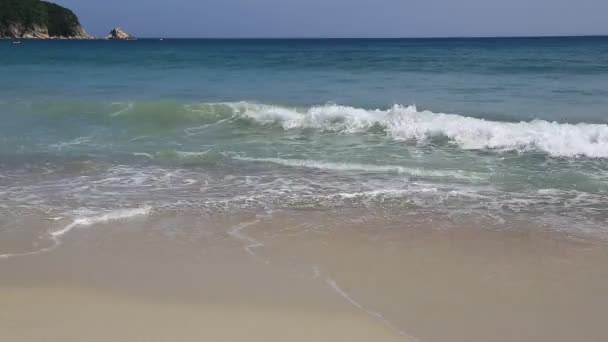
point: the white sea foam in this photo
(407, 123)
(39, 251)
(55, 236)
(191, 155)
(121, 111)
(74, 142)
(120, 214)
(384, 193)
(251, 243)
(324, 165)
(199, 129)
(143, 154)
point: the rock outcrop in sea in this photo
(118, 33)
(37, 19)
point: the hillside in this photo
(38, 19)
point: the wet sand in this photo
(306, 275)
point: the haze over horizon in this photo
(343, 18)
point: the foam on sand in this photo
(250, 243)
(376, 315)
(55, 236)
(111, 216)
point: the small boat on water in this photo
(16, 42)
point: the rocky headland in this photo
(35, 19)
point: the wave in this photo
(407, 123)
(400, 122)
(403, 123)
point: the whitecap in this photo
(407, 123)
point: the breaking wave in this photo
(404, 123)
(407, 123)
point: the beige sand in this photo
(64, 315)
(307, 276)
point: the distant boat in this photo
(161, 39)
(16, 42)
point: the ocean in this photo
(312, 156)
(498, 126)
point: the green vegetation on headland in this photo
(38, 19)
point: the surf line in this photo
(39, 251)
(83, 221)
(374, 314)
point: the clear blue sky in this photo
(342, 18)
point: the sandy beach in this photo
(284, 171)
(52, 314)
(305, 276)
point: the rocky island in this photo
(118, 33)
(38, 20)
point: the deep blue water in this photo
(563, 79)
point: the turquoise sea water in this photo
(500, 127)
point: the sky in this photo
(342, 18)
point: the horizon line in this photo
(381, 37)
(333, 37)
